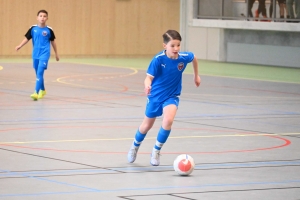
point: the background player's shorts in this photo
(155, 109)
(40, 63)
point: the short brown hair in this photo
(42, 11)
(171, 35)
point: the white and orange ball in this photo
(184, 165)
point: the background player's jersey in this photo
(41, 37)
(167, 73)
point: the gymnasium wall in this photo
(91, 28)
(240, 41)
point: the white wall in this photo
(233, 40)
(205, 43)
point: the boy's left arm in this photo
(197, 78)
(55, 50)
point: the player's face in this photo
(172, 48)
(42, 18)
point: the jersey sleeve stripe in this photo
(150, 75)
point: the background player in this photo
(163, 85)
(41, 36)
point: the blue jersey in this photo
(167, 75)
(41, 37)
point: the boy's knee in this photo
(145, 127)
(167, 123)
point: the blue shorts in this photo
(40, 63)
(155, 109)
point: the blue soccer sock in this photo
(161, 138)
(43, 86)
(39, 78)
(138, 139)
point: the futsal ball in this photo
(184, 165)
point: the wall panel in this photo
(91, 27)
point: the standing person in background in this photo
(163, 85)
(261, 9)
(41, 35)
(282, 8)
(290, 8)
(250, 6)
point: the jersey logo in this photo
(180, 66)
(44, 33)
(163, 65)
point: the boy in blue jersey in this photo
(163, 85)
(41, 35)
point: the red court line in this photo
(286, 143)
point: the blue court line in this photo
(214, 166)
(51, 181)
(250, 107)
(59, 172)
(147, 169)
(274, 124)
(139, 117)
(156, 188)
(254, 164)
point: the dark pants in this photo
(261, 7)
(250, 5)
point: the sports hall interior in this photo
(241, 126)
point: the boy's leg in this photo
(35, 65)
(34, 96)
(40, 87)
(45, 65)
(169, 111)
(162, 137)
(40, 75)
(139, 137)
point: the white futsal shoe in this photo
(131, 156)
(155, 157)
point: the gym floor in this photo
(241, 126)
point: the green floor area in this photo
(211, 68)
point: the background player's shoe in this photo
(34, 96)
(42, 93)
(131, 156)
(155, 156)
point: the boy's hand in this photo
(17, 48)
(147, 89)
(197, 80)
(56, 57)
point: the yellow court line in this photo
(239, 96)
(99, 65)
(174, 137)
(59, 80)
(105, 77)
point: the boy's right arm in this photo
(147, 83)
(22, 44)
